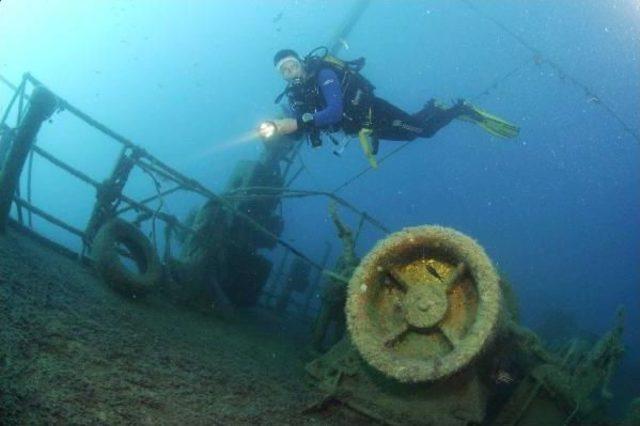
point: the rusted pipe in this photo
(42, 104)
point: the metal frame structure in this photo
(109, 193)
(111, 201)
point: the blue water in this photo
(558, 210)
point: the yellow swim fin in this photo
(492, 124)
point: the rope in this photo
(151, 198)
(486, 92)
(538, 58)
(562, 74)
(368, 168)
(499, 81)
(266, 191)
(160, 205)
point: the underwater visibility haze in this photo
(532, 150)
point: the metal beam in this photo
(49, 218)
(41, 106)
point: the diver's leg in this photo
(392, 123)
(434, 117)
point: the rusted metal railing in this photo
(42, 105)
(110, 197)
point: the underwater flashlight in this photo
(267, 129)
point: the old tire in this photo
(118, 233)
(423, 304)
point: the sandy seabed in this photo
(74, 352)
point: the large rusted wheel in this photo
(423, 303)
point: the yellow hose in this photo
(365, 142)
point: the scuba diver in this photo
(326, 94)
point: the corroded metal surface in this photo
(41, 105)
(423, 303)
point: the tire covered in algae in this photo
(423, 303)
(114, 236)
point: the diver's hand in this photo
(271, 128)
(286, 126)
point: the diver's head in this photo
(288, 64)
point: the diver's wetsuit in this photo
(387, 121)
